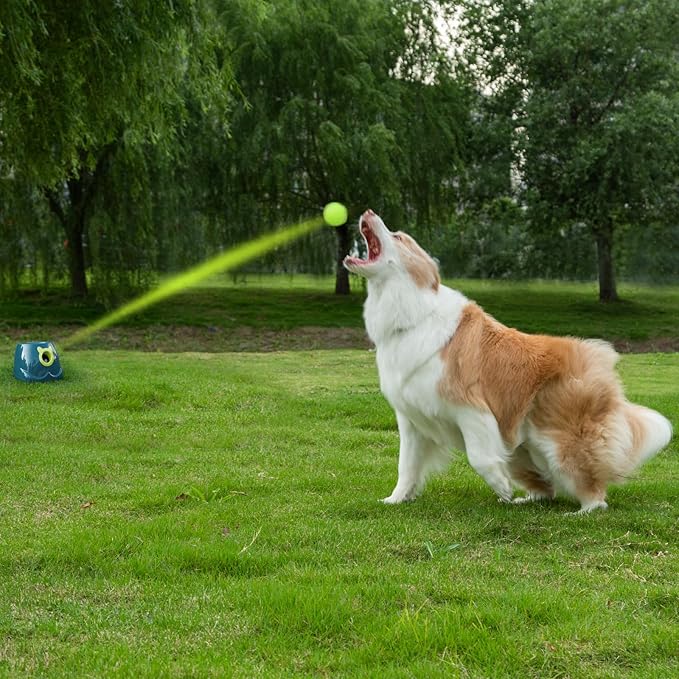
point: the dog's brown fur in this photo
(419, 264)
(566, 388)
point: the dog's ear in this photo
(420, 266)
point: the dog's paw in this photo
(402, 493)
(504, 494)
(589, 507)
(397, 499)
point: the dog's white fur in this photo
(541, 413)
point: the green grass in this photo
(288, 303)
(197, 515)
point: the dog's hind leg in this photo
(589, 487)
(486, 450)
(418, 456)
(525, 473)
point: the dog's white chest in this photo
(409, 361)
(409, 380)
(412, 389)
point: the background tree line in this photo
(516, 138)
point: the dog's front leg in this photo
(414, 452)
(486, 451)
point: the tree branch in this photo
(94, 179)
(55, 205)
(614, 95)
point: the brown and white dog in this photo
(542, 413)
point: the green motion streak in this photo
(222, 262)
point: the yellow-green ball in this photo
(335, 214)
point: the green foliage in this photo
(92, 96)
(335, 107)
(32, 250)
(592, 88)
(139, 137)
(335, 100)
(602, 110)
(650, 253)
(488, 242)
(78, 76)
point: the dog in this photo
(541, 413)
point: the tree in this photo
(591, 87)
(83, 82)
(344, 100)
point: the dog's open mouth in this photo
(373, 246)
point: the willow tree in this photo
(591, 88)
(79, 81)
(342, 100)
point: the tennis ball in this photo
(335, 214)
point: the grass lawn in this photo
(198, 515)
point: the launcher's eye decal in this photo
(46, 356)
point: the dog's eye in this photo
(397, 236)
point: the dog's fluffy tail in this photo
(651, 432)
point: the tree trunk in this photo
(604, 245)
(342, 286)
(70, 212)
(71, 204)
(76, 257)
